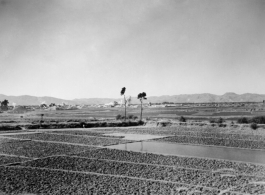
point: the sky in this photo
(91, 49)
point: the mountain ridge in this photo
(182, 98)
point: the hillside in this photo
(206, 97)
(33, 100)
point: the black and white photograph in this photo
(132, 97)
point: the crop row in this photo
(251, 188)
(215, 141)
(39, 149)
(182, 129)
(178, 161)
(144, 171)
(83, 132)
(40, 181)
(172, 129)
(11, 159)
(168, 132)
(99, 141)
(220, 135)
(8, 140)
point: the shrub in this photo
(258, 120)
(222, 125)
(131, 116)
(135, 117)
(104, 124)
(212, 120)
(82, 124)
(140, 122)
(242, 120)
(182, 119)
(118, 117)
(124, 124)
(219, 120)
(254, 126)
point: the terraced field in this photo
(77, 162)
(98, 141)
(7, 159)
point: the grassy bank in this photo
(62, 125)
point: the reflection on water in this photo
(236, 154)
(134, 136)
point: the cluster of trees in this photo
(141, 97)
(168, 103)
(256, 119)
(120, 117)
(243, 120)
(4, 105)
(43, 105)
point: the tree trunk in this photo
(125, 108)
(141, 110)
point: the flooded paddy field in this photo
(136, 160)
(231, 154)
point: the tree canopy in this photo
(123, 90)
(122, 93)
(4, 103)
(142, 96)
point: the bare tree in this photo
(141, 97)
(129, 100)
(123, 93)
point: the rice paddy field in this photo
(83, 161)
(148, 112)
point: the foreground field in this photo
(77, 162)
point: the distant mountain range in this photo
(33, 100)
(185, 98)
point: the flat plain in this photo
(79, 161)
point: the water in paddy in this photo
(235, 154)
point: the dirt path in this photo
(12, 155)
(18, 133)
(57, 142)
(83, 135)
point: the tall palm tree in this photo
(141, 97)
(123, 93)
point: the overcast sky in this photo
(81, 49)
